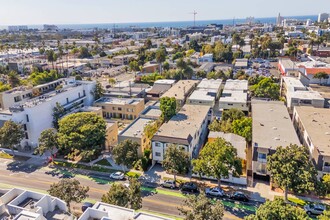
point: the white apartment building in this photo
(21, 204)
(297, 94)
(36, 114)
(187, 129)
(234, 95)
(206, 58)
(323, 17)
(104, 211)
(207, 93)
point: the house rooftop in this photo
(236, 85)
(233, 96)
(184, 124)
(210, 84)
(316, 122)
(119, 101)
(181, 89)
(135, 129)
(202, 94)
(152, 112)
(293, 83)
(272, 125)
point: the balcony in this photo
(326, 169)
(261, 168)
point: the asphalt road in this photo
(19, 174)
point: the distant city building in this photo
(279, 20)
(48, 27)
(323, 17)
(17, 28)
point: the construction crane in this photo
(194, 13)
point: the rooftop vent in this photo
(277, 139)
(274, 128)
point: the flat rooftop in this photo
(316, 122)
(119, 101)
(135, 129)
(150, 112)
(184, 124)
(236, 85)
(293, 83)
(210, 84)
(272, 125)
(306, 95)
(165, 81)
(202, 94)
(233, 96)
(288, 64)
(324, 91)
(181, 89)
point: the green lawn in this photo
(104, 162)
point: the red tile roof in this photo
(317, 70)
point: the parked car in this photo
(239, 196)
(168, 184)
(86, 205)
(216, 192)
(148, 181)
(189, 187)
(117, 176)
(314, 209)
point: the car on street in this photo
(239, 196)
(214, 192)
(168, 184)
(314, 209)
(148, 181)
(117, 176)
(189, 187)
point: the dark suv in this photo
(189, 187)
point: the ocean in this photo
(174, 24)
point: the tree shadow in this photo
(19, 166)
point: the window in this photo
(262, 157)
(26, 135)
(24, 126)
(230, 104)
(119, 109)
(157, 144)
(158, 154)
(67, 100)
(113, 108)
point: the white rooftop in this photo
(202, 94)
(236, 84)
(233, 96)
(210, 84)
(119, 101)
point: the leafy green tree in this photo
(13, 79)
(81, 132)
(47, 141)
(148, 43)
(232, 114)
(37, 78)
(166, 66)
(58, 112)
(4, 87)
(243, 127)
(118, 194)
(326, 182)
(321, 75)
(208, 48)
(215, 125)
(11, 135)
(98, 91)
(112, 81)
(168, 107)
(84, 53)
(126, 153)
(218, 159)
(291, 169)
(176, 160)
(134, 66)
(201, 208)
(69, 190)
(135, 199)
(279, 210)
(78, 77)
(177, 56)
(324, 216)
(193, 44)
(266, 88)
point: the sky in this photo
(15, 12)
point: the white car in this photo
(117, 176)
(314, 209)
(216, 192)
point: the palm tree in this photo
(311, 44)
(51, 57)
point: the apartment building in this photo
(207, 93)
(159, 88)
(124, 108)
(123, 59)
(296, 94)
(36, 114)
(235, 95)
(271, 127)
(181, 90)
(313, 128)
(21, 94)
(28, 205)
(104, 211)
(187, 129)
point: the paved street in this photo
(19, 174)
